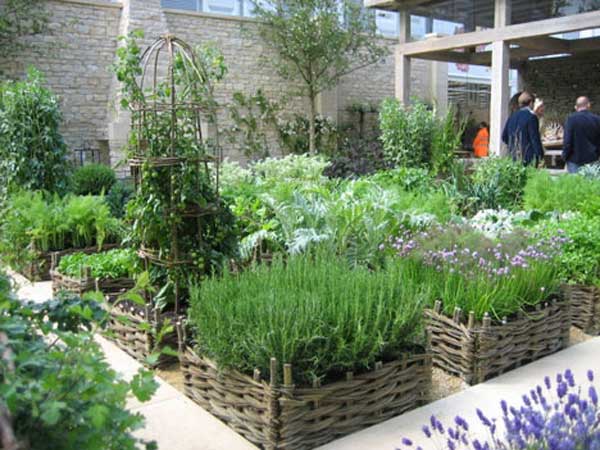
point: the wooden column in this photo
(403, 61)
(500, 79)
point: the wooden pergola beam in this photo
(393, 5)
(591, 44)
(517, 56)
(544, 43)
(508, 33)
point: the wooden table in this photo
(553, 152)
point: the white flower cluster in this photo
(497, 222)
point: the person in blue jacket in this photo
(581, 142)
(522, 132)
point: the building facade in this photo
(79, 48)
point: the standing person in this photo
(481, 143)
(522, 132)
(539, 108)
(581, 137)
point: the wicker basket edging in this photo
(585, 307)
(132, 328)
(39, 269)
(479, 350)
(110, 287)
(275, 416)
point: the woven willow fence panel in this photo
(585, 307)
(110, 288)
(39, 270)
(478, 351)
(275, 416)
(134, 330)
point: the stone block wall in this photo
(75, 56)
(559, 81)
(77, 52)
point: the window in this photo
(387, 22)
(226, 7)
(188, 5)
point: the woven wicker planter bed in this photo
(111, 288)
(132, 329)
(585, 307)
(275, 416)
(477, 351)
(39, 270)
(128, 326)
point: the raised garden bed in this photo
(479, 350)
(39, 270)
(585, 307)
(134, 329)
(273, 415)
(111, 288)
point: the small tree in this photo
(317, 42)
(20, 18)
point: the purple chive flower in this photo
(590, 375)
(407, 442)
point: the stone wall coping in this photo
(94, 3)
(183, 12)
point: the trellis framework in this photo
(170, 158)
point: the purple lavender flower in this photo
(572, 423)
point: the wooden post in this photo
(500, 82)
(403, 61)
(287, 375)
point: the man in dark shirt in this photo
(522, 132)
(581, 137)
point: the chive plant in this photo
(464, 269)
(313, 312)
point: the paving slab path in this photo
(176, 423)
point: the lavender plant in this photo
(560, 415)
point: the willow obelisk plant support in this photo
(179, 223)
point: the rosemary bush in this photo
(312, 312)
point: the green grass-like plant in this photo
(562, 193)
(313, 312)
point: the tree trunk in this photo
(312, 138)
